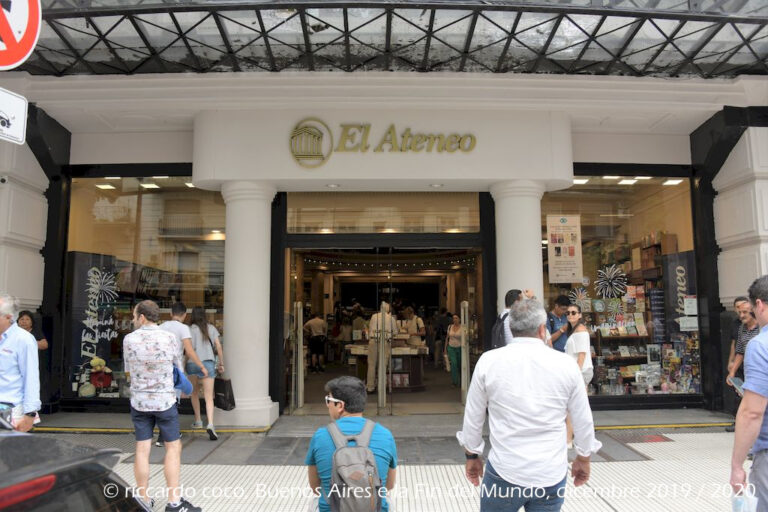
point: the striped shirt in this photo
(745, 335)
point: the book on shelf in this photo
(631, 330)
(624, 351)
(614, 331)
(622, 330)
(605, 331)
(633, 351)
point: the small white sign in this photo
(690, 306)
(689, 323)
(13, 117)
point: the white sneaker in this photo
(197, 424)
(212, 432)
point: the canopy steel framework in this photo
(670, 38)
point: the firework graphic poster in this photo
(564, 249)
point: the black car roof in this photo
(24, 456)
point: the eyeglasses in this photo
(572, 313)
(329, 399)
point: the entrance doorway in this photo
(338, 291)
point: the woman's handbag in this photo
(223, 396)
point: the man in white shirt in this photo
(375, 326)
(183, 336)
(527, 389)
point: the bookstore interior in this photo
(621, 248)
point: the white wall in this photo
(741, 215)
(631, 148)
(131, 148)
(23, 221)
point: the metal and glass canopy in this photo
(668, 38)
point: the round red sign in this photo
(19, 30)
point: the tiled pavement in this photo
(639, 470)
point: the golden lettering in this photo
(405, 144)
(390, 137)
(417, 142)
(348, 136)
(364, 147)
(471, 143)
(453, 143)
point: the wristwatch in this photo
(471, 456)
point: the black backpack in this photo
(498, 339)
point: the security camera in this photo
(3, 180)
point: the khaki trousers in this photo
(373, 358)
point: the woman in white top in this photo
(577, 346)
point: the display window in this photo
(132, 239)
(622, 250)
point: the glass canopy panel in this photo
(707, 38)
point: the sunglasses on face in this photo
(329, 399)
(572, 313)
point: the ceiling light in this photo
(642, 177)
(610, 177)
(149, 185)
(388, 230)
(105, 186)
(160, 177)
(622, 215)
(113, 178)
(672, 182)
(326, 231)
(580, 181)
(452, 230)
(544, 242)
(216, 231)
(333, 185)
(436, 185)
(627, 182)
(190, 185)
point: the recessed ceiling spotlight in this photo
(610, 177)
(215, 231)
(642, 177)
(436, 185)
(149, 185)
(627, 182)
(160, 177)
(190, 185)
(105, 186)
(544, 242)
(577, 181)
(672, 182)
(326, 231)
(112, 178)
(333, 185)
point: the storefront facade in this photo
(206, 166)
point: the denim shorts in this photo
(193, 369)
(167, 422)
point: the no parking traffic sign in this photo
(19, 29)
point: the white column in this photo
(741, 215)
(518, 237)
(246, 302)
(23, 222)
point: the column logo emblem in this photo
(311, 143)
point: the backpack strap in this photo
(341, 440)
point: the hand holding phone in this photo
(738, 385)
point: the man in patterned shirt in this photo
(150, 354)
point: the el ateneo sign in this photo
(312, 142)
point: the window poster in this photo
(564, 248)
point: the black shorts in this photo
(317, 345)
(167, 422)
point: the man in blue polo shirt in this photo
(751, 421)
(345, 399)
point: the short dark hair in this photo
(562, 300)
(28, 314)
(511, 297)
(149, 309)
(350, 390)
(759, 290)
(178, 309)
(740, 298)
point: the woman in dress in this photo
(453, 345)
(577, 346)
